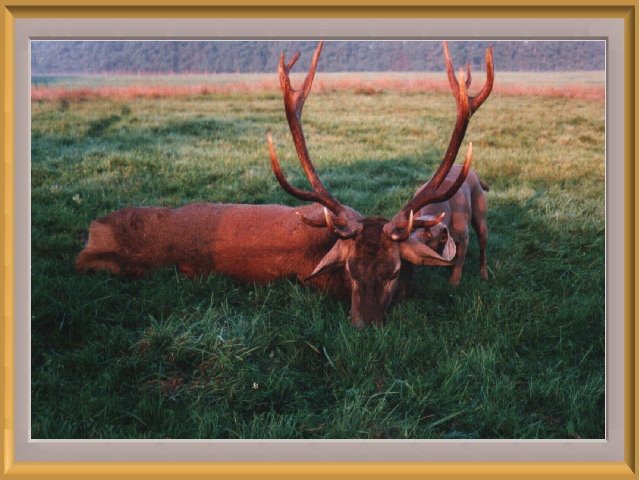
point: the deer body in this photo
(204, 238)
(467, 206)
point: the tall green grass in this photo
(519, 356)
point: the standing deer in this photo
(467, 205)
(327, 245)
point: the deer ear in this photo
(334, 259)
(449, 249)
(419, 254)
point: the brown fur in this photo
(467, 205)
(258, 244)
(204, 238)
(376, 271)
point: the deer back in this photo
(252, 243)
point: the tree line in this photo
(103, 57)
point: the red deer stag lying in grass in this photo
(468, 205)
(327, 245)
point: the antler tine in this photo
(466, 107)
(342, 231)
(488, 85)
(430, 196)
(399, 230)
(422, 222)
(459, 90)
(293, 104)
(287, 187)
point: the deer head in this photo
(373, 251)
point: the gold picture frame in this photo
(624, 464)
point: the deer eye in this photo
(395, 275)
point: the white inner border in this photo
(611, 449)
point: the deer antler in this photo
(399, 228)
(293, 103)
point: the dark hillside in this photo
(91, 57)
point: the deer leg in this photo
(92, 261)
(461, 252)
(479, 224)
(405, 283)
(482, 242)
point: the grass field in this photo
(519, 356)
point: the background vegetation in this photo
(97, 57)
(519, 356)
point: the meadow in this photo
(519, 356)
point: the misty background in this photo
(63, 57)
